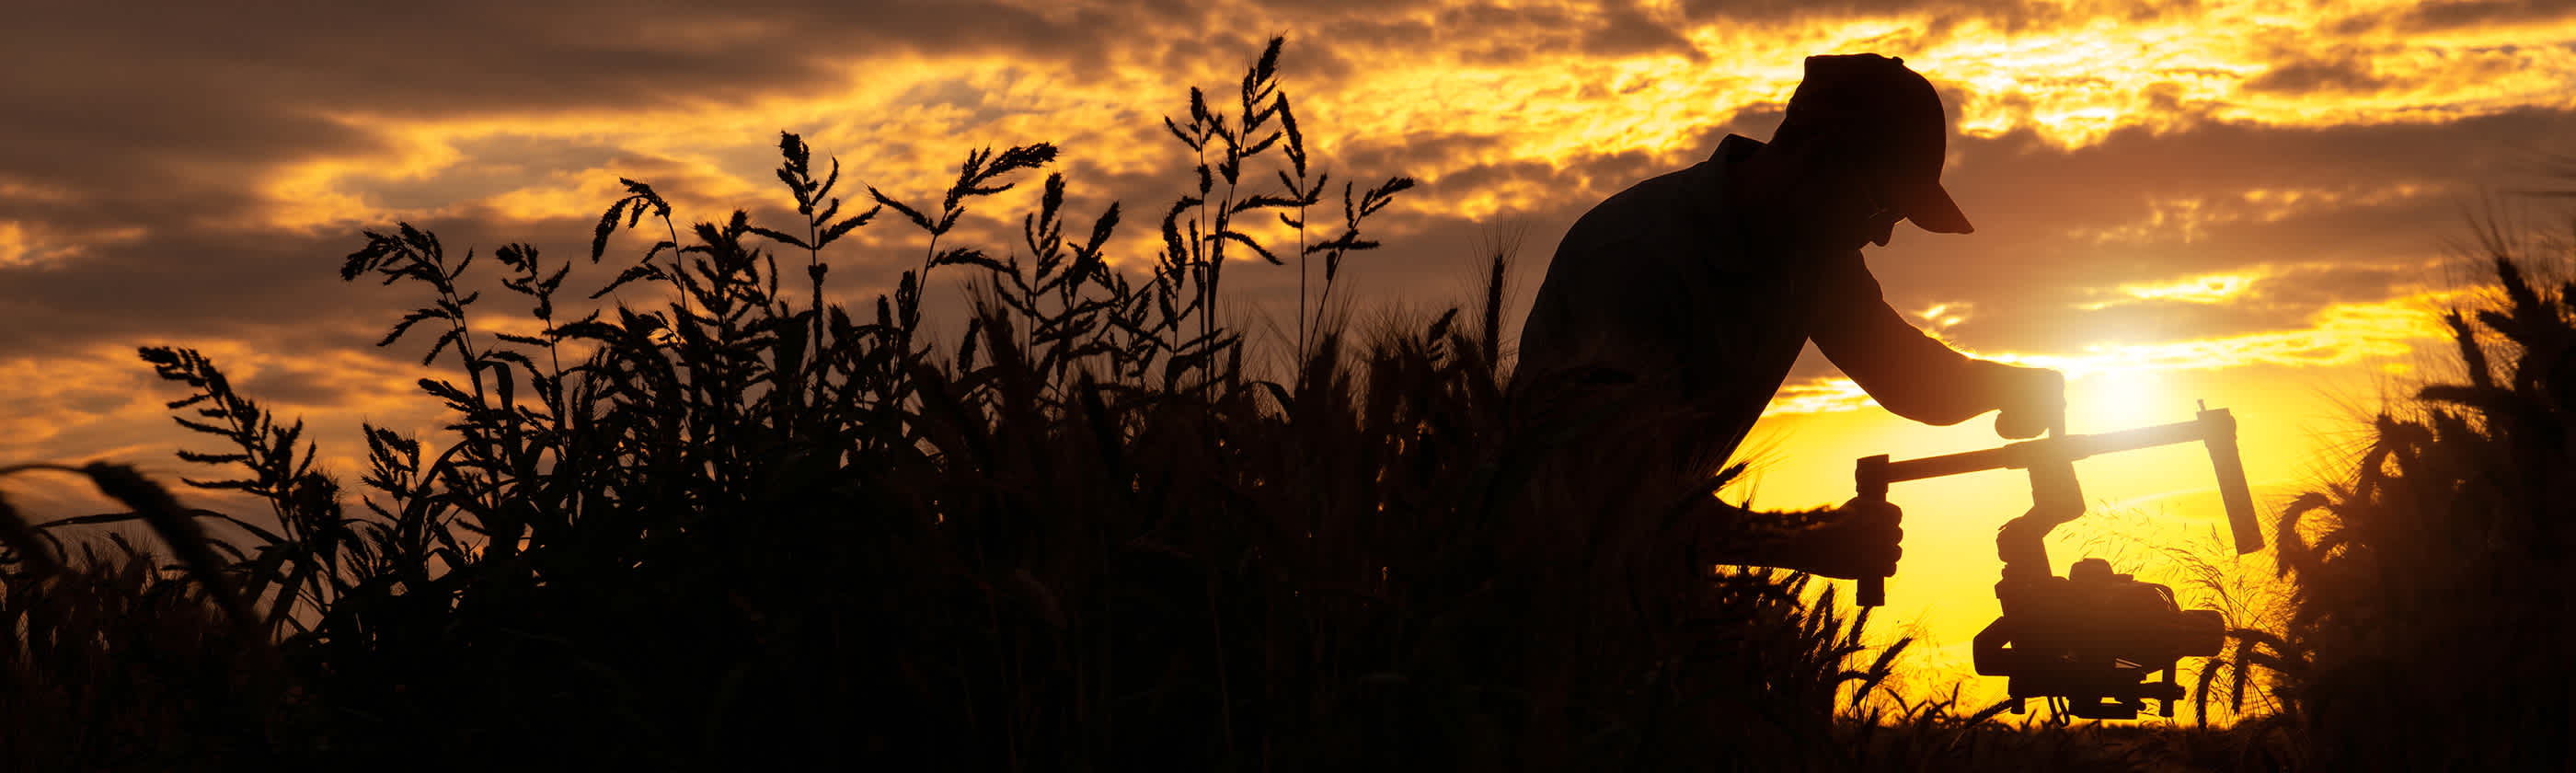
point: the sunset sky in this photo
(2247, 203)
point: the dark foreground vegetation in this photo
(744, 524)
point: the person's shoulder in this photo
(1658, 203)
(1671, 186)
(1700, 182)
(1735, 147)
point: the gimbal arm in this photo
(2055, 495)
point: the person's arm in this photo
(1849, 542)
(1910, 373)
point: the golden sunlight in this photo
(2108, 400)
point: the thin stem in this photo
(1301, 273)
(679, 265)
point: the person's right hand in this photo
(2033, 401)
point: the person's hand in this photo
(2033, 401)
(1860, 539)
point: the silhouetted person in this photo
(1674, 309)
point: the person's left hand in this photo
(1862, 538)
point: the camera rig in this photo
(2092, 637)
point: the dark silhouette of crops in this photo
(2430, 628)
(746, 524)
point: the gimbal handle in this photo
(2213, 428)
(1870, 478)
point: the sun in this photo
(2116, 399)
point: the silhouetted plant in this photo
(116, 661)
(2428, 627)
(1085, 537)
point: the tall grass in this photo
(2430, 626)
(748, 524)
(118, 663)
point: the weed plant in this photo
(749, 524)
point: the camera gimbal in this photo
(2091, 636)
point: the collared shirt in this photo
(1684, 305)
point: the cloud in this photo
(2377, 202)
(161, 184)
(1628, 30)
(1819, 395)
(2343, 334)
(2446, 16)
(2313, 75)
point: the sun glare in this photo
(2107, 400)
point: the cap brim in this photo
(1931, 209)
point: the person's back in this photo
(1663, 290)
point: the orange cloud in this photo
(2341, 335)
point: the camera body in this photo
(2093, 637)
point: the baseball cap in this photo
(1892, 121)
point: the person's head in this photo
(1866, 136)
